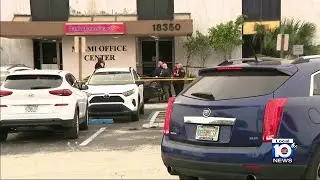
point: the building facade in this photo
(153, 29)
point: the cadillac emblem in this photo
(206, 112)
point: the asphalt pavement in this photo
(119, 150)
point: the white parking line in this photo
(153, 118)
(87, 141)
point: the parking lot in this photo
(118, 150)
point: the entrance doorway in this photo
(47, 54)
(149, 52)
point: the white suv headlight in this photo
(129, 93)
(88, 94)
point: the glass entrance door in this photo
(149, 51)
(47, 54)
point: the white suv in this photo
(115, 92)
(42, 98)
(5, 70)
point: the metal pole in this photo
(157, 50)
(41, 53)
(282, 43)
(58, 54)
(80, 59)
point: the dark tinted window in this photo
(27, 82)
(316, 84)
(236, 84)
(155, 9)
(265, 10)
(49, 10)
(271, 10)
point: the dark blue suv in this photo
(246, 121)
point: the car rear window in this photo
(27, 82)
(226, 85)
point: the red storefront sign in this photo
(94, 28)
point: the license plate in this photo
(31, 108)
(207, 133)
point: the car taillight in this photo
(229, 68)
(167, 120)
(272, 118)
(5, 93)
(61, 92)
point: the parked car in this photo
(152, 89)
(114, 93)
(246, 121)
(5, 70)
(49, 98)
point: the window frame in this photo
(312, 83)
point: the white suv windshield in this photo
(108, 78)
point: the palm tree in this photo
(300, 33)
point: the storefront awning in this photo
(24, 28)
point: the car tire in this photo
(183, 177)
(73, 132)
(85, 124)
(142, 109)
(3, 135)
(135, 116)
(314, 167)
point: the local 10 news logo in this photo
(283, 151)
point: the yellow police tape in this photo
(144, 80)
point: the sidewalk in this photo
(156, 106)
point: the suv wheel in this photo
(73, 132)
(3, 135)
(313, 170)
(84, 125)
(142, 109)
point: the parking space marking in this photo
(100, 121)
(87, 141)
(154, 116)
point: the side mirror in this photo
(84, 87)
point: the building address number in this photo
(166, 27)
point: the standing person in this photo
(181, 75)
(99, 64)
(158, 69)
(165, 74)
(175, 74)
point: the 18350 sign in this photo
(166, 27)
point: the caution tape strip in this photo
(146, 80)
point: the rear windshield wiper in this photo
(204, 96)
(40, 87)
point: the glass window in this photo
(235, 84)
(27, 82)
(316, 84)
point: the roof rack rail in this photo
(16, 65)
(249, 60)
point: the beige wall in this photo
(308, 10)
(206, 14)
(15, 51)
(122, 58)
